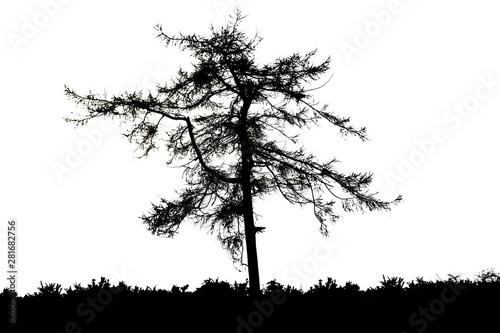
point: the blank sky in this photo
(423, 77)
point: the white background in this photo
(402, 84)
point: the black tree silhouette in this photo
(227, 120)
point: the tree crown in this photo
(227, 111)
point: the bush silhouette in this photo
(218, 306)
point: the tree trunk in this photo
(250, 231)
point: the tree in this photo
(224, 120)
